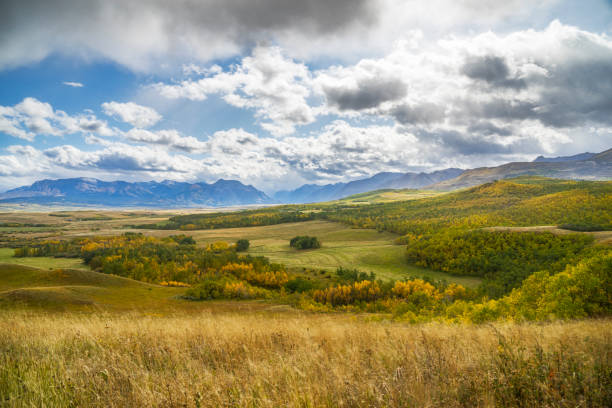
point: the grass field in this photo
(70, 336)
(6, 257)
(364, 249)
(388, 196)
(251, 358)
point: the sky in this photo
(278, 93)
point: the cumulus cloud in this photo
(121, 158)
(32, 117)
(365, 94)
(132, 113)
(273, 85)
(492, 70)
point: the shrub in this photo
(304, 242)
(242, 245)
(299, 285)
(208, 289)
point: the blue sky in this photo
(277, 94)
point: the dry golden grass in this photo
(284, 358)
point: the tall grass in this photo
(292, 359)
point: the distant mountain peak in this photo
(576, 157)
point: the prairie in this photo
(267, 358)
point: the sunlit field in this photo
(269, 359)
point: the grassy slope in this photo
(364, 249)
(6, 256)
(72, 289)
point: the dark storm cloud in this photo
(369, 93)
(492, 70)
(499, 108)
(578, 92)
(488, 129)
(132, 31)
(425, 113)
(457, 142)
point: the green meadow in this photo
(341, 246)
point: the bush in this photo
(304, 242)
(242, 245)
(207, 290)
(353, 275)
(299, 285)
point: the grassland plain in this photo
(223, 357)
(74, 289)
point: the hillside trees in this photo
(502, 258)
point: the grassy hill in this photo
(523, 201)
(74, 289)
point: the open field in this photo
(387, 196)
(224, 357)
(364, 249)
(6, 257)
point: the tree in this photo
(242, 245)
(304, 242)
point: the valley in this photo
(513, 273)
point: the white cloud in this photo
(32, 117)
(132, 113)
(73, 84)
(170, 138)
(274, 86)
(464, 101)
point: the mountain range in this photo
(310, 193)
(174, 194)
(88, 191)
(586, 166)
